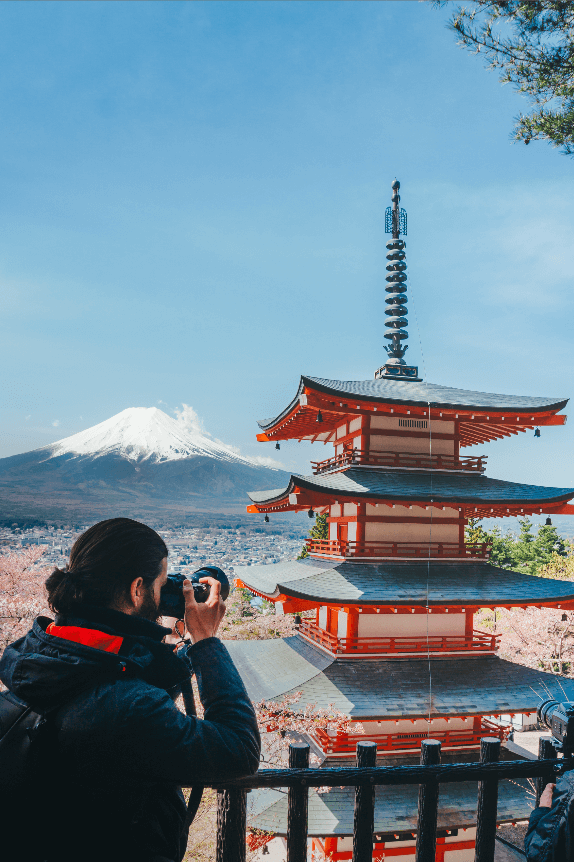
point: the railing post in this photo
(546, 751)
(364, 806)
(428, 805)
(297, 804)
(231, 825)
(487, 803)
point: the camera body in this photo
(172, 601)
(559, 719)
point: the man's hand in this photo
(546, 797)
(202, 620)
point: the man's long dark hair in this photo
(103, 563)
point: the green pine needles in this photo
(529, 552)
(319, 530)
(531, 44)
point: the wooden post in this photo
(487, 803)
(364, 806)
(297, 805)
(231, 825)
(428, 805)
(546, 751)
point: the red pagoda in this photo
(394, 588)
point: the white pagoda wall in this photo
(417, 725)
(408, 532)
(345, 845)
(399, 625)
(434, 530)
(409, 625)
(406, 439)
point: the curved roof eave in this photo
(402, 392)
(380, 689)
(456, 584)
(364, 483)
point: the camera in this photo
(559, 719)
(172, 601)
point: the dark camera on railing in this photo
(559, 719)
(172, 601)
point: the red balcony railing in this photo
(398, 550)
(345, 744)
(414, 461)
(478, 642)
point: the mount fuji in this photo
(138, 462)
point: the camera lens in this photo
(545, 712)
(172, 603)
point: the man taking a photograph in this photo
(108, 786)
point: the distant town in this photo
(190, 548)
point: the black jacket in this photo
(123, 748)
(550, 833)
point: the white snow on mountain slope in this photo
(146, 433)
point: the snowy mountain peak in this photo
(146, 434)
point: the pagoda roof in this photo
(482, 414)
(332, 813)
(398, 486)
(379, 689)
(460, 584)
(420, 394)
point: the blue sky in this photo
(192, 211)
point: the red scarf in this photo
(88, 637)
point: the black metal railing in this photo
(298, 778)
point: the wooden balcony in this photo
(404, 460)
(398, 550)
(478, 643)
(344, 745)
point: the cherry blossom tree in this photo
(22, 594)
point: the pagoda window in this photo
(335, 510)
(322, 620)
(342, 431)
(413, 423)
(438, 426)
(349, 508)
(355, 425)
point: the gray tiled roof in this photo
(408, 392)
(378, 688)
(358, 482)
(395, 808)
(465, 583)
(282, 663)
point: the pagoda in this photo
(394, 587)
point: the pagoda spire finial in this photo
(396, 312)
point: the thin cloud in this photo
(190, 422)
(265, 461)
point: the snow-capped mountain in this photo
(148, 434)
(139, 462)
